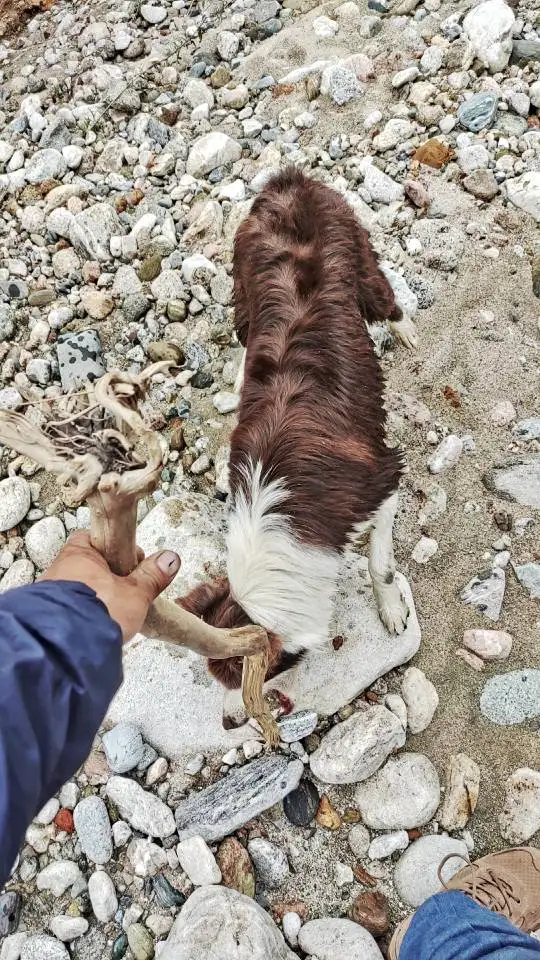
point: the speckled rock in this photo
(42, 947)
(511, 697)
(14, 501)
(520, 818)
(94, 829)
(79, 359)
(143, 810)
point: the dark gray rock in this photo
(134, 307)
(301, 805)
(478, 112)
(517, 479)
(525, 50)
(79, 359)
(226, 805)
(10, 912)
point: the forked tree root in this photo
(105, 454)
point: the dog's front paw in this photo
(404, 330)
(392, 608)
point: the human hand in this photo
(127, 598)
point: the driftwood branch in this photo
(105, 454)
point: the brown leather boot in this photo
(507, 883)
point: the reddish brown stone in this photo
(370, 910)
(433, 153)
(363, 876)
(236, 867)
(64, 820)
(280, 908)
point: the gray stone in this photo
(524, 193)
(446, 455)
(518, 479)
(14, 501)
(94, 829)
(79, 359)
(340, 84)
(511, 697)
(67, 928)
(144, 811)
(296, 726)
(91, 230)
(168, 286)
(10, 398)
(331, 939)
(486, 592)
(102, 896)
(226, 805)
(58, 876)
(123, 747)
(416, 876)
(44, 540)
(213, 150)
(45, 165)
(488, 26)
(153, 14)
(229, 924)
(355, 749)
(380, 186)
(520, 818)
(19, 574)
(525, 50)
(387, 844)
(359, 840)
(403, 795)
(421, 699)
(135, 307)
(528, 429)
(198, 862)
(42, 947)
(528, 575)
(478, 112)
(270, 862)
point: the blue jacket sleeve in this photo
(60, 666)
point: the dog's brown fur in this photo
(306, 283)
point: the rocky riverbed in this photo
(133, 138)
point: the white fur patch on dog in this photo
(283, 585)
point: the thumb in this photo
(155, 573)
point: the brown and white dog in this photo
(309, 467)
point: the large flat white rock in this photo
(171, 696)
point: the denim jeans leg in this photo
(451, 926)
